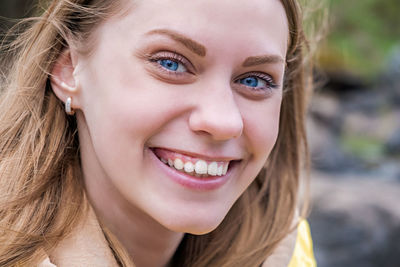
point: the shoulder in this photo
(303, 252)
(86, 245)
(46, 263)
(295, 250)
(283, 252)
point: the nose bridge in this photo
(217, 113)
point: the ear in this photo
(63, 80)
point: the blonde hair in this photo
(41, 192)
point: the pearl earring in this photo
(68, 108)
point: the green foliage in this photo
(362, 35)
(365, 148)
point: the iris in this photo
(169, 64)
(250, 81)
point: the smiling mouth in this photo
(193, 166)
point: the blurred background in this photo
(354, 134)
(354, 131)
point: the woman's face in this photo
(192, 84)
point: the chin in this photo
(197, 229)
(194, 225)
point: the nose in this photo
(217, 114)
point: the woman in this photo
(163, 133)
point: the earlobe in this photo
(64, 81)
(68, 87)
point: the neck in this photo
(84, 246)
(147, 242)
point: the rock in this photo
(377, 126)
(326, 154)
(324, 128)
(368, 101)
(351, 133)
(391, 77)
(392, 146)
(355, 221)
(343, 81)
(325, 110)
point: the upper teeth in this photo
(201, 167)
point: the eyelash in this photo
(270, 83)
(173, 56)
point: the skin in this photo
(127, 103)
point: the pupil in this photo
(169, 64)
(250, 81)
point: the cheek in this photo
(124, 114)
(123, 101)
(262, 126)
(127, 118)
(120, 121)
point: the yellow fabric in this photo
(303, 255)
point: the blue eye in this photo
(172, 65)
(253, 81)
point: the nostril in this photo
(220, 119)
(218, 129)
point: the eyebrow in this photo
(259, 60)
(192, 45)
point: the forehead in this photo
(252, 24)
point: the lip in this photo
(192, 182)
(200, 156)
